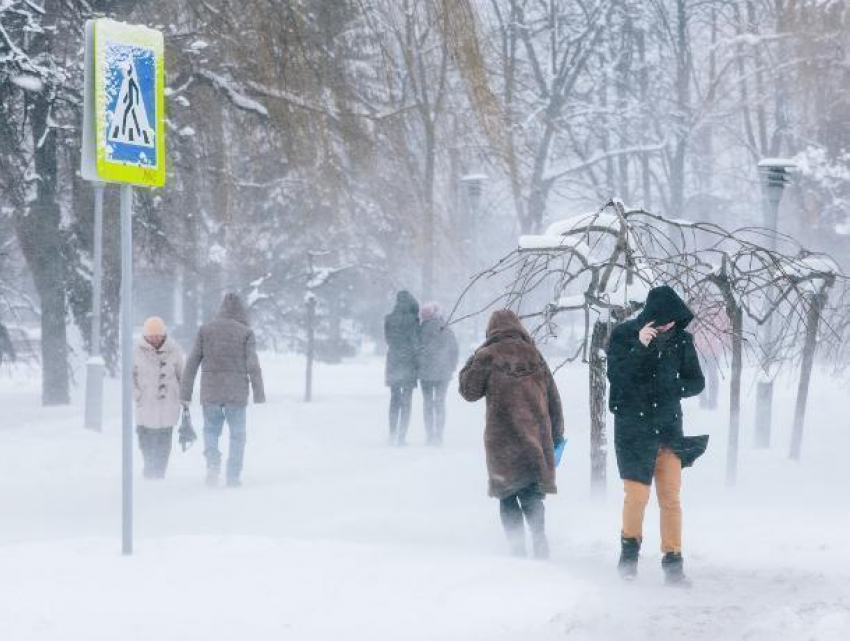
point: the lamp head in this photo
(776, 173)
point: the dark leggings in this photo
(434, 408)
(156, 450)
(527, 502)
(401, 400)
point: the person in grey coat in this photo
(226, 352)
(438, 360)
(401, 331)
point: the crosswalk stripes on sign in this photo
(129, 120)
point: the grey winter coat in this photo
(156, 383)
(401, 331)
(226, 352)
(438, 353)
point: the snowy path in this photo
(335, 536)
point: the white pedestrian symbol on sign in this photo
(129, 123)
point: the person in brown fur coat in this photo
(524, 424)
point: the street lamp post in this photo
(474, 184)
(775, 174)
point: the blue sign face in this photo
(130, 92)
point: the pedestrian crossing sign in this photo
(125, 88)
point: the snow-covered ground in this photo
(335, 536)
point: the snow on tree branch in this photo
(234, 93)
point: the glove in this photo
(559, 451)
(186, 433)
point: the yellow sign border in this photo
(112, 171)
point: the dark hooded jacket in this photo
(648, 383)
(401, 331)
(524, 416)
(7, 347)
(438, 354)
(226, 352)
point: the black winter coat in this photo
(401, 331)
(438, 355)
(647, 385)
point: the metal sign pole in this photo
(127, 368)
(95, 364)
(124, 142)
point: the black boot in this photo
(674, 570)
(629, 554)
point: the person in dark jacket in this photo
(7, 347)
(438, 358)
(652, 365)
(524, 425)
(226, 352)
(401, 331)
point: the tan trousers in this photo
(668, 483)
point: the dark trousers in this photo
(155, 444)
(401, 400)
(528, 502)
(434, 408)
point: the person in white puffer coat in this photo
(157, 372)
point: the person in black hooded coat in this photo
(652, 365)
(402, 333)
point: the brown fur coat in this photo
(524, 416)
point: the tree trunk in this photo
(40, 236)
(428, 264)
(598, 411)
(643, 84)
(737, 318)
(813, 319)
(191, 268)
(311, 347)
(681, 119)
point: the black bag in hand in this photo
(186, 433)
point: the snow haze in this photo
(335, 535)
(557, 158)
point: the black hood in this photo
(406, 304)
(663, 305)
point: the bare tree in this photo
(602, 265)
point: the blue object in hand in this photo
(559, 451)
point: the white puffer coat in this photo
(156, 381)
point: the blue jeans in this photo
(214, 418)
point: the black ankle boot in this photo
(629, 554)
(674, 570)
